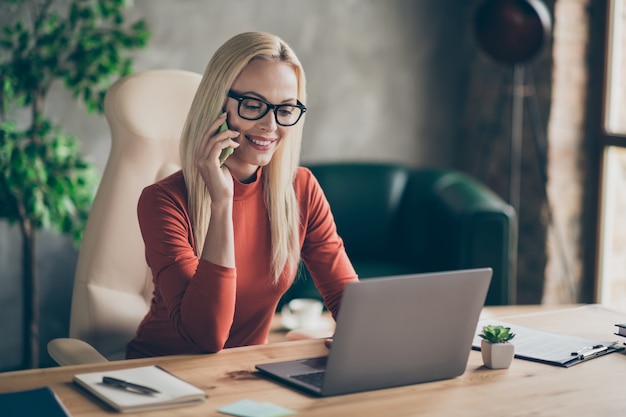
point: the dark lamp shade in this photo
(512, 31)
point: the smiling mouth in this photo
(261, 143)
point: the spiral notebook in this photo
(172, 391)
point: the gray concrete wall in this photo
(386, 82)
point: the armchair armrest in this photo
(458, 222)
(66, 351)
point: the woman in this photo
(224, 241)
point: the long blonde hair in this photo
(278, 176)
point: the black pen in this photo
(128, 386)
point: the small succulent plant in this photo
(496, 334)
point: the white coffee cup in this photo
(302, 313)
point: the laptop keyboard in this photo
(315, 379)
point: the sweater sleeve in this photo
(199, 296)
(323, 251)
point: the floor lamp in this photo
(513, 32)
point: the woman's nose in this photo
(268, 122)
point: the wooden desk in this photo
(594, 388)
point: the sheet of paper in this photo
(249, 408)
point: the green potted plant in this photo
(44, 181)
(495, 348)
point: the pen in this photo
(128, 386)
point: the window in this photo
(615, 91)
(612, 240)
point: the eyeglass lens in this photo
(253, 109)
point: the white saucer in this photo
(322, 324)
(304, 334)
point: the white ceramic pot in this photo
(497, 355)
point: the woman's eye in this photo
(252, 105)
(286, 111)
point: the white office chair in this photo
(146, 112)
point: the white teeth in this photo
(261, 142)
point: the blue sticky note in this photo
(249, 408)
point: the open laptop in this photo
(394, 331)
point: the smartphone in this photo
(227, 151)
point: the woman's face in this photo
(274, 82)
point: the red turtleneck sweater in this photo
(201, 307)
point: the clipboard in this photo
(549, 347)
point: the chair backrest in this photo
(364, 194)
(146, 112)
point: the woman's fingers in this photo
(215, 141)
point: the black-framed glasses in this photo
(251, 108)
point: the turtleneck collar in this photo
(245, 190)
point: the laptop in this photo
(394, 331)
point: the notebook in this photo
(34, 402)
(172, 391)
(394, 331)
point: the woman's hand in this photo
(217, 177)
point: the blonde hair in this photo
(278, 176)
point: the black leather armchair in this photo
(397, 220)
